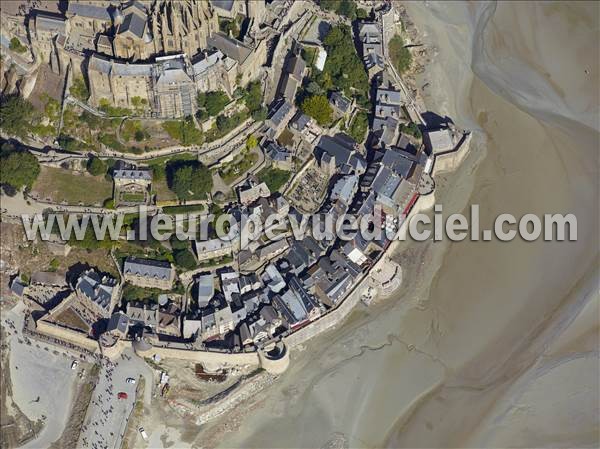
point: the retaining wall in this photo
(210, 360)
(67, 335)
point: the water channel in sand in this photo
(487, 344)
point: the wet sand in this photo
(488, 344)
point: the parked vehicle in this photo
(143, 433)
(122, 395)
(75, 364)
(130, 380)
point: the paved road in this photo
(108, 415)
(17, 205)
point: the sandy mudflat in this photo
(488, 344)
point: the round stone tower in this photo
(274, 358)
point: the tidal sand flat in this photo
(487, 344)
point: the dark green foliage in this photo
(190, 180)
(359, 126)
(19, 169)
(177, 244)
(253, 96)
(185, 259)
(16, 115)
(69, 143)
(343, 67)
(260, 114)
(134, 293)
(16, 45)
(230, 26)
(212, 102)
(183, 209)
(411, 129)
(79, 90)
(95, 166)
(318, 107)
(362, 13)
(346, 8)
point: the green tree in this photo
(191, 181)
(19, 169)
(139, 103)
(253, 96)
(251, 141)
(96, 166)
(313, 88)
(343, 65)
(184, 131)
(359, 126)
(230, 26)
(201, 100)
(345, 8)
(215, 102)
(318, 107)
(16, 115)
(185, 259)
(15, 45)
(362, 13)
(411, 129)
(260, 114)
(79, 90)
(399, 54)
(177, 244)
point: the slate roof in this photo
(308, 301)
(119, 322)
(207, 62)
(345, 188)
(277, 152)
(300, 121)
(335, 148)
(91, 11)
(132, 69)
(373, 59)
(134, 24)
(142, 313)
(229, 46)
(104, 65)
(400, 162)
(340, 102)
(205, 290)
(386, 182)
(281, 113)
(50, 23)
(17, 287)
(148, 268)
(368, 29)
(226, 5)
(274, 279)
(291, 308)
(389, 96)
(97, 289)
(296, 66)
(133, 174)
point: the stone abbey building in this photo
(151, 56)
